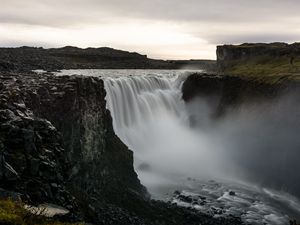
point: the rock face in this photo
(226, 92)
(77, 108)
(32, 155)
(57, 145)
(87, 157)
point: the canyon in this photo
(59, 142)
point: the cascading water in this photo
(150, 117)
(134, 101)
(145, 111)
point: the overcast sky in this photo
(169, 29)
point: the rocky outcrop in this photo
(225, 92)
(245, 51)
(58, 146)
(33, 159)
(258, 59)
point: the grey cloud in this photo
(66, 12)
(214, 21)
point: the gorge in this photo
(58, 147)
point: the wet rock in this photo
(185, 198)
(202, 203)
(232, 193)
(176, 192)
(202, 197)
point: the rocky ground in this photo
(57, 145)
(25, 59)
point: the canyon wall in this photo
(76, 155)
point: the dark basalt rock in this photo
(31, 156)
(232, 193)
(225, 92)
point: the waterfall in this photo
(150, 117)
(136, 99)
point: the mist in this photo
(260, 141)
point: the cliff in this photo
(275, 60)
(77, 151)
(231, 90)
(58, 146)
(25, 59)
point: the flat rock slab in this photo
(48, 210)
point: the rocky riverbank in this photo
(58, 146)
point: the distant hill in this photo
(30, 58)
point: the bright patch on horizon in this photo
(157, 40)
